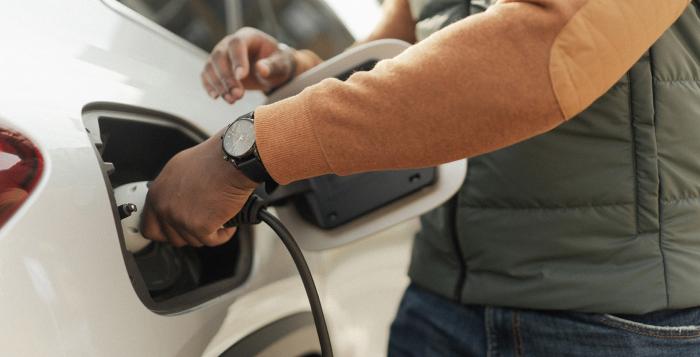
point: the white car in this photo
(95, 96)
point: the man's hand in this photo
(247, 59)
(195, 194)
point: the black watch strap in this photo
(254, 169)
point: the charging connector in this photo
(254, 212)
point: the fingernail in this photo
(237, 92)
(212, 94)
(228, 98)
(239, 73)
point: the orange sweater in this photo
(489, 81)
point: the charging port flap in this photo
(331, 210)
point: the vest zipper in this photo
(461, 277)
(454, 202)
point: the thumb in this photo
(276, 68)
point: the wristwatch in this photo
(238, 145)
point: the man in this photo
(577, 231)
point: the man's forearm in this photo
(486, 82)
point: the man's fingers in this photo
(173, 235)
(213, 78)
(191, 240)
(226, 233)
(277, 66)
(155, 227)
(188, 235)
(224, 67)
(208, 87)
(275, 70)
(150, 228)
(240, 65)
(221, 236)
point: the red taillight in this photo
(21, 166)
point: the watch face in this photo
(239, 138)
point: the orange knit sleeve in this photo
(486, 82)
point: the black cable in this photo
(254, 212)
(306, 277)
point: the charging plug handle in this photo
(249, 214)
(254, 212)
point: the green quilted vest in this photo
(601, 214)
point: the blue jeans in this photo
(430, 325)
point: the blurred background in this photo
(325, 26)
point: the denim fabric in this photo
(430, 325)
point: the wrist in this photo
(241, 181)
(234, 177)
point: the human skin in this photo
(519, 69)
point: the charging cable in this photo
(254, 212)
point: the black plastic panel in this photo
(333, 200)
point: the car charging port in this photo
(133, 145)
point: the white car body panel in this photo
(70, 295)
(65, 289)
(360, 287)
